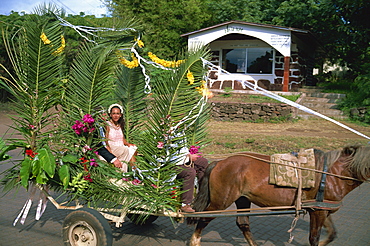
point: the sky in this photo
(74, 7)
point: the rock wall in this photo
(249, 111)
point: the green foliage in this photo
(227, 92)
(174, 113)
(164, 21)
(131, 95)
(39, 168)
(359, 97)
(36, 68)
(176, 120)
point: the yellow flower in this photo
(164, 63)
(140, 43)
(61, 48)
(130, 64)
(203, 90)
(190, 77)
(44, 38)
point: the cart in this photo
(92, 226)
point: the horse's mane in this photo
(356, 158)
(360, 165)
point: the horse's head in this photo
(358, 161)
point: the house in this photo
(274, 57)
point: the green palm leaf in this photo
(37, 67)
(129, 91)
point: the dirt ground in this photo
(309, 128)
(315, 127)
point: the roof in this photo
(301, 33)
(250, 24)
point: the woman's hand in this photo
(193, 157)
(117, 163)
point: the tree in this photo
(164, 21)
(341, 26)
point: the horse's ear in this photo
(350, 150)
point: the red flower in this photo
(30, 153)
(88, 177)
(136, 182)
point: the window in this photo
(250, 60)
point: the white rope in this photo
(260, 90)
(301, 107)
(90, 30)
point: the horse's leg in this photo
(195, 238)
(317, 220)
(243, 221)
(332, 234)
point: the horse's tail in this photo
(202, 199)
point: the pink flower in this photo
(125, 179)
(77, 127)
(136, 182)
(88, 119)
(154, 186)
(86, 148)
(93, 163)
(194, 149)
(32, 127)
(160, 145)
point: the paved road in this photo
(352, 223)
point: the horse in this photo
(244, 179)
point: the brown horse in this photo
(244, 180)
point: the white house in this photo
(274, 57)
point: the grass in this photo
(250, 98)
(232, 137)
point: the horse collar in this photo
(320, 192)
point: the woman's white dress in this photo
(115, 142)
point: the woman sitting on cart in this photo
(116, 143)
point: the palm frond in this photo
(37, 70)
(129, 91)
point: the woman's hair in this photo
(121, 121)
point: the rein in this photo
(303, 168)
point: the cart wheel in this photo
(134, 218)
(86, 226)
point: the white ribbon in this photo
(26, 208)
(260, 90)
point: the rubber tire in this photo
(89, 222)
(148, 220)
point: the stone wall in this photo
(249, 111)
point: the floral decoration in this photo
(87, 125)
(190, 77)
(169, 64)
(130, 64)
(44, 38)
(140, 43)
(194, 150)
(61, 48)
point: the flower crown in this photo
(114, 105)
